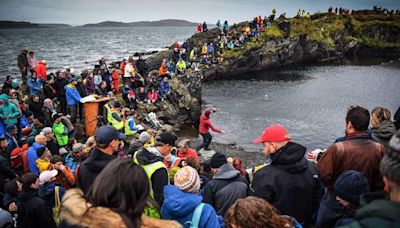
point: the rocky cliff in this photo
(321, 38)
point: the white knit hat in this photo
(187, 179)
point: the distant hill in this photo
(161, 23)
(55, 25)
(24, 24)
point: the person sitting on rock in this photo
(180, 66)
(130, 128)
(116, 119)
(141, 97)
(166, 91)
(163, 70)
(171, 67)
(176, 55)
(152, 96)
(204, 49)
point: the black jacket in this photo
(91, 167)
(6, 172)
(36, 109)
(225, 187)
(290, 183)
(53, 147)
(34, 211)
(48, 92)
(59, 85)
(159, 179)
(81, 89)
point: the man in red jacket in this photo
(205, 125)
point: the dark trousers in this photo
(63, 104)
(330, 211)
(73, 112)
(207, 138)
(81, 113)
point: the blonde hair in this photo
(380, 114)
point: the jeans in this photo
(207, 138)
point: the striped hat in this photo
(187, 179)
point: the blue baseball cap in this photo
(106, 134)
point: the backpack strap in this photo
(57, 196)
(196, 216)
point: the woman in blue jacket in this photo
(183, 203)
(73, 98)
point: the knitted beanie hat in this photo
(217, 160)
(187, 179)
(40, 151)
(350, 186)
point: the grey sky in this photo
(78, 12)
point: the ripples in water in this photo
(310, 101)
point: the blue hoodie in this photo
(35, 86)
(72, 95)
(32, 157)
(180, 206)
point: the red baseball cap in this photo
(273, 133)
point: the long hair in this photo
(123, 187)
(254, 212)
(237, 163)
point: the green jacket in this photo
(61, 133)
(8, 110)
(378, 213)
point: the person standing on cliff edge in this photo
(22, 62)
(205, 125)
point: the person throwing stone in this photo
(205, 125)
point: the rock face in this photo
(188, 109)
(323, 38)
(305, 41)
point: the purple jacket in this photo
(90, 86)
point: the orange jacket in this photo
(66, 178)
(163, 70)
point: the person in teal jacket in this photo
(9, 113)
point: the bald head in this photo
(41, 139)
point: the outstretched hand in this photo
(222, 131)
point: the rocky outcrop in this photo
(302, 41)
(188, 109)
(321, 38)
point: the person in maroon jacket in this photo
(205, 125)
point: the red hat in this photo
(274, 133)
(207, 113)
